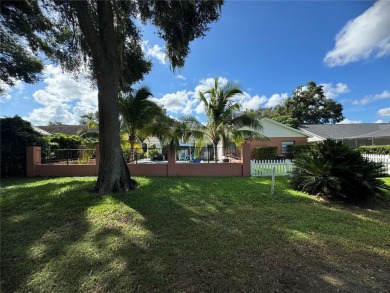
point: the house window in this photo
(284, 146)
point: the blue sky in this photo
(267, 47)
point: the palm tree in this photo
(138, 111)
(225, 121)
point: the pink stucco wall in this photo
(171, 168)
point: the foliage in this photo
(310, 106)
(307, 105)
(64, 141)
(225, 121)
(183, 234)
(103, 39)
(375, 149)
(16, 135)
(295, 149)
(265, 153)
(18, 61)
(138, 112)
(334, 170)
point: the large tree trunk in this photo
(114, 176)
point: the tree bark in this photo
(114, 176)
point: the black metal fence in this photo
(68, 156)
(183, 154)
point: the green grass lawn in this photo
(188, 235)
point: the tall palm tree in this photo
(138, 111)
(225, 121)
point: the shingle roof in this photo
(340, 131)
(66, 129)
(40, 130)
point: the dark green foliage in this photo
(63, 141)
(16, 135)
(375, 149)
(307, 105)
(265, 153)
(295, 149)
(334, 170)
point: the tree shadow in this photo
(179, 234)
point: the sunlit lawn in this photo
(188, 235)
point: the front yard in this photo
(188, 235)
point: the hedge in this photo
(294, 149)
(375, 149)
(265, 153)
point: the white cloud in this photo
(347, 121)
(252, 103)
(8, 90)
(372, 98)
(188, 103)
(275, 100)
(366, 36)
(181, 77)
(155, 51)
(385, 112)
(379, 121)
(179, 102)
(332, 92)
(64, 98)
(208, 83)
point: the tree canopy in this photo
(307, 105)
(225, 121)
(104, 37)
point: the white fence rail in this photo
(265, 167)
(384, 159)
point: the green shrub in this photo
(16, 135)
(375, 149)
(334, 170)
(265, 153)
(295, 149)
(63, 141)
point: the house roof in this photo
(342, 131)
(66, 129)
(270, 132)
(40, 130)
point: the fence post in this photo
(246, 159)
(33, 158)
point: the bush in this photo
(63, 141)
(375, 149)
(334, 170)
(265, 153)
(16, 135)
(295, 149)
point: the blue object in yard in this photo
(182, 156)
(197, 160)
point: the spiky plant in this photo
(334, 170)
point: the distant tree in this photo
(310, 106)
(16, 135)
(103, 36)
(53, 123)
(307, 105)
(138, 112)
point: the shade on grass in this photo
(187, 234)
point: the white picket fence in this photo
(384, 159)
(265, 167)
